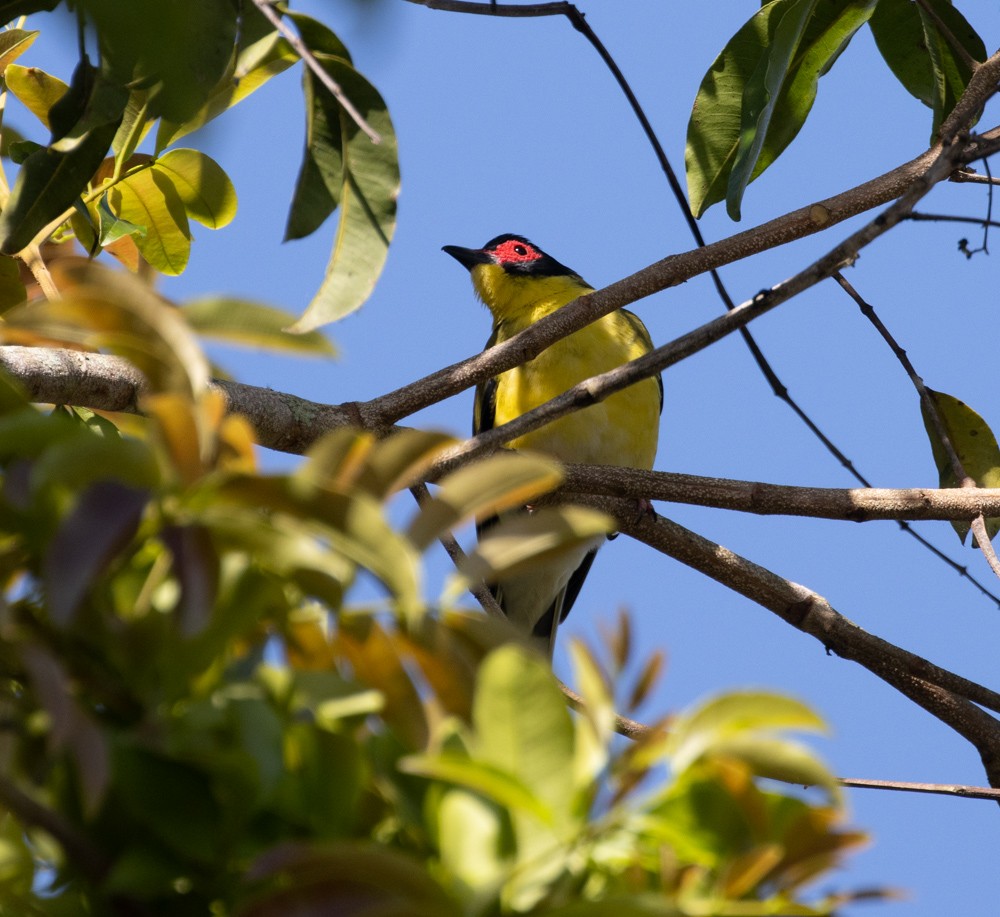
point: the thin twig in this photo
(309, 59)
(480, 592)
(941, 789)
(625, 726)
(974, 178)
(948, 218)
(931, 411)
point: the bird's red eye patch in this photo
(513, 251)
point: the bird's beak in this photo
(468, 257)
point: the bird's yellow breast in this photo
(622, 429)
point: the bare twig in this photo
(948, 218)
(940, 789)
(974, 178)
(631, 729)
(930, 411)
(309, 59)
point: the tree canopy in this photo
(207, 705)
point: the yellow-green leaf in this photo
(254, 66)
(13, 43)
(723, 719)
(520, 540)
(148, 198)
(37, 90)
(208, 195)
(500, 482)
(254, 324)
(975, 445)
(369, 185)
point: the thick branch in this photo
(947, 696)
(852, 504)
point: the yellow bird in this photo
(520, 284)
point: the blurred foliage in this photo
(196, 717)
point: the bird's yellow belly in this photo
(621, 430)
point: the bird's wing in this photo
(642, 333)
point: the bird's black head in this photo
(515, 254)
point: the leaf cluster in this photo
(162, 71)
(759, 91)
(197, 718)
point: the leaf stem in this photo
(309, 59)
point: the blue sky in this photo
(515, 126)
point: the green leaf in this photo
(318, 186)
(37, 90)
(919, 47)
(489, 781)
(259, 57)
(778, 759)
(483, 488)
(208, 195)
(181, 49)
(520, 540)
(84, 121)
(755, 97)
(12, 291)
(147, 197)
(13, 43)
(723, 719)
(170, 799)
(523, 728)
(254, 324)
(364, 186)
(112, 227)
(973, 442)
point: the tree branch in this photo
(309, 59)
(947, 696)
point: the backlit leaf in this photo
(259, 58)
(521, 539)
(37, 90)
(13, 43)
(974, 443)
(149, 198)
(208, 195)
(253, 324)
(730, 716)
(368, 178)
(483, 488)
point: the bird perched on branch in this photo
(520, 284)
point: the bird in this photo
(520, 284)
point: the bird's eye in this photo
(520, 250)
